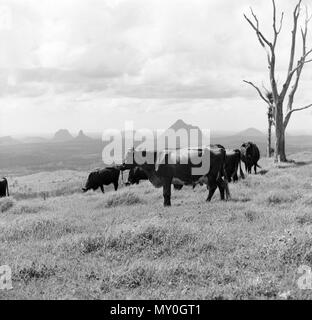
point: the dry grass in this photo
(127, 245)
(6, 204)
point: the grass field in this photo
(127, 245)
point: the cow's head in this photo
(249, 150)
(91, 181)
(246, 152)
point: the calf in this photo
(99, 178)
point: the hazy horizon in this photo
(98, 134)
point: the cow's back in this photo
(109, 175)
(184, 164)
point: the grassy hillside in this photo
(127, 245)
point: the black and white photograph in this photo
(155, 150)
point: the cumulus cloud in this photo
(133, 55)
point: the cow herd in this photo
(178, 167)
(218, 167)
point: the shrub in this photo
(137, 276)
(157, 240)
(125, 198)
(280, 196)
(304, 219)
(251, 215)
(92, 244)
(28, 209)
(35, 271)
(298, 251)
(37, 230)
(6, 204)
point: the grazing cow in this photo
(250, 155)
(182, 167)
(100, 177)
(232, 163)
(136, 175)
(4, 188)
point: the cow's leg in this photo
(235, 177)
(255, 168)
(116, 185)
(211, 186)
(167, 193)
(221, 186)
(226, 188)
(212, 190)
(102, 188)
(249, 168)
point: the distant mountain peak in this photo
(180, 124)
(251, 132)
(190, 140)
(8, 140)
(62, 135)
(82, 137)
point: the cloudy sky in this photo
(93, 64)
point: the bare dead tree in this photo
(271, 123)
(294, 72)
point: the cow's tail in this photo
(122, 178)
(258, 166)
(240, 165)
(226, 179)
(241, 170)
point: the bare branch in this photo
(259, 92)
(302, 108)
(281, 24)
(276, 29)
(289, 113)
(300, 65)
(262, 39)
(291, 69)
(301, 62)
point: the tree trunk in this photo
(280, 155)
(269, 142)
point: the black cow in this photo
(232, 163)
(4, 188)
(100, 177)
(250, 155)
(182, 167)
(136, 175)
